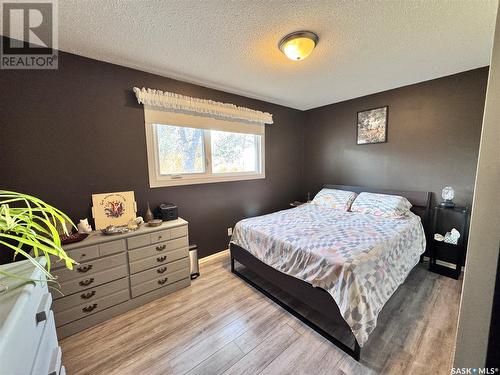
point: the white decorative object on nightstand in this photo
(448, 193)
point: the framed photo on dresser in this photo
(113, 208)
(372, 126)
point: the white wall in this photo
(484, 235)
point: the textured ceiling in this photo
(364, 47)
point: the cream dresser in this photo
(117, 273)
(28, 340)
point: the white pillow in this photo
(381, 205)
(333, 198)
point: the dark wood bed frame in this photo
(318, 299)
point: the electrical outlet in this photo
(229, 231)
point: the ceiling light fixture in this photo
(298, 45)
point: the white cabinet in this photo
(28, 340)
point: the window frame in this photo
(158, 180)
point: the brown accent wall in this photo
(78, 130)
(434, 129)
(68, 133)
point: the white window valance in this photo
(164, 101)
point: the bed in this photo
(343, 265)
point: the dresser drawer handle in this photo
(40, 317)
(161, 269)
(89, 308)
(163, 281)
(84, 269)
(160, 248)
(86, 282)
(161, 259)
(43, 308)
(88, 295)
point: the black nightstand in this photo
(443, 221)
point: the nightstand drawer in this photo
(159, 282)
(162, 270)
(86, 282)
(89, 295)
(90, 268)
(90, 308)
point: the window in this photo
(180, 155)
(180, 150)
(234, 152)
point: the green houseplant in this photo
(29, 228)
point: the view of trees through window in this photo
(234, 152)
(181, 151)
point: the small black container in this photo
(167, 211)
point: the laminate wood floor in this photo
(221, 325)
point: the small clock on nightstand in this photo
(448, 193)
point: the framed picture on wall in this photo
(372, 126)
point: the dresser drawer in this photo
(162, 270)
(86, 282)
(26, 308)
(90, 268)
(160, 248)
(179, 232)
(159, 282)
(138, 241)
(112, 247)
(160, 236)
(156, 260)
(55, 361)
(31, 323)
(90, 308)
(167, 256)
(46, 347)
(80, 255)
(89, 295)
(87, 253)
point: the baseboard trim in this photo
(214, 256)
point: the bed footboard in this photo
(316, 299)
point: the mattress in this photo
(359, 259)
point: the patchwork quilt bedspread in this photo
(360, 259)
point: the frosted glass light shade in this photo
(298, 45)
